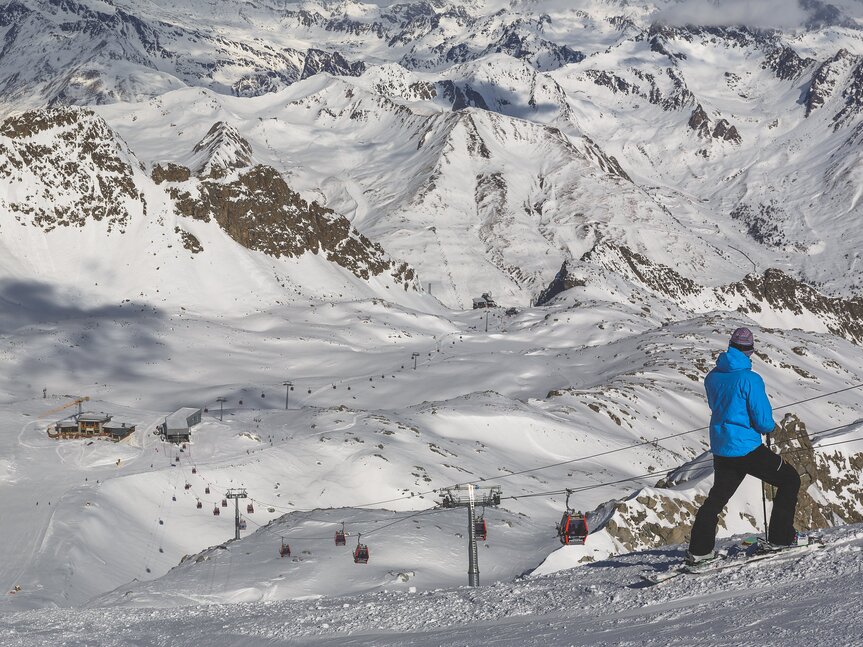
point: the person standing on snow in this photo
(740, 415)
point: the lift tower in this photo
(469, 496)
(236, 494)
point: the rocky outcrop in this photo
(461, 95)
(722, 130)
(68, 168)
(786, 63)
(318, 60)
(780, 292)
(562, 281)
(169, 172)
(773, 290)
(830, 494)
(826, 79)
(647, 86)
(222, 149)
(257, 209)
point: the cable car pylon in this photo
(468, 496)
(236, 494)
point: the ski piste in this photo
(737, 560)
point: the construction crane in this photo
(76, 400)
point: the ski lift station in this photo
(177, 427)
(92, 425)
(485, 301)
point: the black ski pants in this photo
(728, 474)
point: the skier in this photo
(740, 415)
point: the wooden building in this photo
(91, 425)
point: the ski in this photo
(727, 562)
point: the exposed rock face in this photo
(647, 86)
(258, 210)
(699, 122)
(562, 281)
(786, 63)
(852, 97)
(190, 241)
(762, 222)
(462, 96)
(651, 519)
(317, 60)
(830, 494)
(169, 172)
(826, 79)
(68, 168)
(222, 149)
(722, 130)
(774, 290)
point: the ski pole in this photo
(764, 500)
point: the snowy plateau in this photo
(201, 200)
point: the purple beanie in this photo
(742, 340)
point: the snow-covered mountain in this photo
(486, 143)
(202, 201)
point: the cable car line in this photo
(654, 474)
(557, 464)
(581, 458)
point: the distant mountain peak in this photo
(220, 150)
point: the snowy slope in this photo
(809, 598)
(364, 427)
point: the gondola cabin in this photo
(242, 524)
(341, 536)
(216, 511)
(250, 508)
(207, 490)
(480, 530)
(573, 528)
(224, 503)
(284, 549)
(199, 505)
(361, 554)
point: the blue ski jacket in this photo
(740, 410)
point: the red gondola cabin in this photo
(361, 554)
(573, 528)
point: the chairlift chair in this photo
(572, 529)
(361, 553)
(341, 536)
